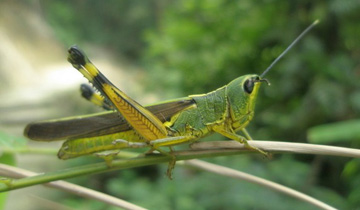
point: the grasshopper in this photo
(225, 110)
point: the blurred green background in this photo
(156, 50)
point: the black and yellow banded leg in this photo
(142, 120)
(89, 94)
(145, 123)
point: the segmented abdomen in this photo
(84, 146)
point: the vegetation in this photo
(191, 47)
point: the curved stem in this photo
(224, 171)
(15, 172)
(280, 147)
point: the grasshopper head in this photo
(242, 93)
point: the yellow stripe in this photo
(142, 120)
(84, 72)
(93, 71)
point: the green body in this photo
(131, 125)
(229, 108)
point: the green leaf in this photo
(3, 197)
(9, 160)
(11, 142)
(335, 132)
(8, 142)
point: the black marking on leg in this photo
(89, 93)
(86, 91)
(100, 78)
(76, 56)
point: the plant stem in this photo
(215, 149)
(102, 167)
(73, 188)
(224, 171)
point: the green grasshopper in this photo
(130, 125)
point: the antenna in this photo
(289, 47)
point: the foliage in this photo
(7, 141)
(198, 190)
(198, 46)
(207, 47)
(203, 45)
(116, 24)
(335, 132)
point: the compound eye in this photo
(249, 86)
